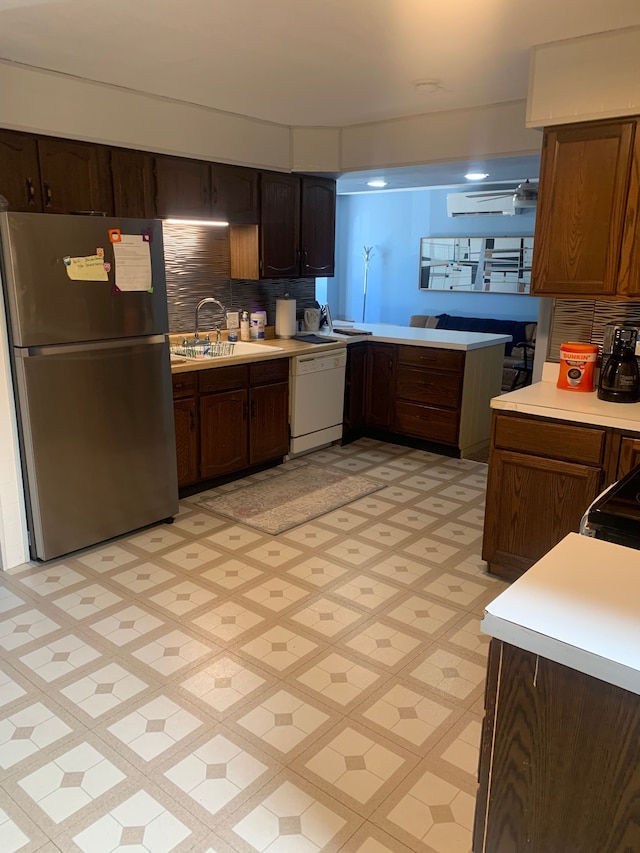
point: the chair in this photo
(523, 370)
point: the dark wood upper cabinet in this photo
(75, 176)
(20, 172)
(584, 184)
(235, 194)
(317, 226)
(183, 187)
(133, 177)
(296, 234)
(280, 225)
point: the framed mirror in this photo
(476, 264)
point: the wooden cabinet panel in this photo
(439, 359)
(317, 227)
(532, 503)
(269, 432)
(75, 176)
(133, 177)
(427, 422)
(556, 440)
(184, 413)
(20, 172)
(184, 384)
(234, 194)
(280, 225)
(354, 389)
(582, 200)
(223, 433)
(629, 272)
(222, 378)
(263, 372)
(629, 456)
(183, 187)
(544, 790)
(380, 383)
(429, 386)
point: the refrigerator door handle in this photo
(59, 349)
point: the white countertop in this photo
(578, 606)
(440, 338)
(545, 400)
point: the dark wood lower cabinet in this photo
(230, 418)
(532, 503)
(184, 413)
(380, 385)
(559, 761)
(269, 437)
(223, 433)
(354, 389)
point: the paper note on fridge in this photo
(133, 262)
(89, 268)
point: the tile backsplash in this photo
(585, 319)
(197, 265)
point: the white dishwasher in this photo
(316, 399)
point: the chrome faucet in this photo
(206, 301)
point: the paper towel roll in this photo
(285, 318)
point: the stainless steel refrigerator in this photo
(92, 377)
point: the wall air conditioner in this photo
(480, 204)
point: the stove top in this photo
(617, 513)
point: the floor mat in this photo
(290, 499)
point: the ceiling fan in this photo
(524, 195)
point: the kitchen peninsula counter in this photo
(576, 606)
(560, 749)
(438, 338)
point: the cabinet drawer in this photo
(441, 359)
(427, 422)
(222, 378)
(184, 385)
(428, 386)
(556, 441)
(265, 372)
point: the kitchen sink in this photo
(203, 350)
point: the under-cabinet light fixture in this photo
(377, 184)
(214, 223)
(476, 176)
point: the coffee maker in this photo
(619, 377)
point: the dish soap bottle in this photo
(245, 331)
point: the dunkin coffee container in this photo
(577, 364)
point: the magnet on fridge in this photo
(147, 235)
(67, 260)
(107, 266)
(115, 289)
(100, 252)
(114, 235)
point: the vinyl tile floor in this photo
(205, 687)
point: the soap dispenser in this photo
(245, 330)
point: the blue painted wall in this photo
(393, 223)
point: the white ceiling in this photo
(304, 62)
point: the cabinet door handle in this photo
(305, 259)
(245, 410)
(192, 421)
(30, 192)
(254, 412)
(47, 194)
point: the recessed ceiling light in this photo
(378, 183)
(476, 176)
